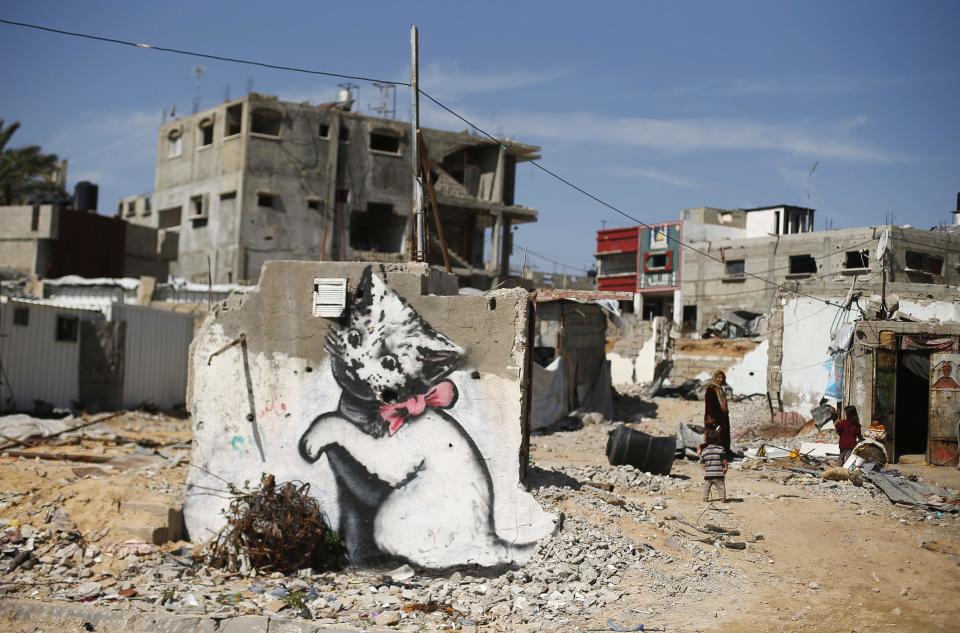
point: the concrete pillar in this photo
(497, 193)
(493, 261)
(678, 307)
(505, 240)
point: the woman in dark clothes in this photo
(716, 414)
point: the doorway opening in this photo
(913, 403)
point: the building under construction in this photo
(257, 179)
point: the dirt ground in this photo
(824, 563)
(820, 556)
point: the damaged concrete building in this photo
(258, 179)
(53, 240)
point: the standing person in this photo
(714, 459)
(849, 431)
(716, 414)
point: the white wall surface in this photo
(749, 376)
(761, 223)
(807, 326)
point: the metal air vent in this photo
(329, 296)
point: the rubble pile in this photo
(574, 576)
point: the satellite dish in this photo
(882, 245)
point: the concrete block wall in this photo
(406, 415)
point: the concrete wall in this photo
(807, 328)
(26, 237)
(275, 389)
(639, 347)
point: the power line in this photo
(610, 206)
(222, 58)
(437, 102)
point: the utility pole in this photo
(420, 248)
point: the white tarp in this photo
(549, 394)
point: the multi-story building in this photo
(742, 259)
(645, 260)
(256, 179)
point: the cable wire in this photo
(222, 58)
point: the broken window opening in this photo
(344, 134)
(735, 268)
(802, 264)
(656, 261)
(35, 217)
(67, 329)
(377, 229)
(197, 207)
(147, 206)
(169, 218)
(314, 204)
(21, 316)
(266, 122)
(265, 200)
(386, 142)
(131, 208)
(617, 264)
(198, 223)
(324, 130)
(228, 195)
(857, 259)
(233, 121)
(174, 143)
(206, 132)
(924, 263)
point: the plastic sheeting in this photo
(549, 394)
(834, 367)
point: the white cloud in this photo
(450, 81)
(807, 139)
(798, 85)
(652, 174)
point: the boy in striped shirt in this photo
(714, 459)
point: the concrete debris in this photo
(735, 324)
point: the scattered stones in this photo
(387, 618)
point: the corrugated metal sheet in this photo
(157, 349)
(36, 365)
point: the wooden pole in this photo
(432, 197)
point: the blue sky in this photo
(654, 107)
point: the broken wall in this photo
(640, 346)
(406, 415)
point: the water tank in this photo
(85, 196)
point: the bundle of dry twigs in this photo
(275, 528)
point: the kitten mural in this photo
(411, 484)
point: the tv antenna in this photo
(810, 180)
(386, 108)
(198, 74)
